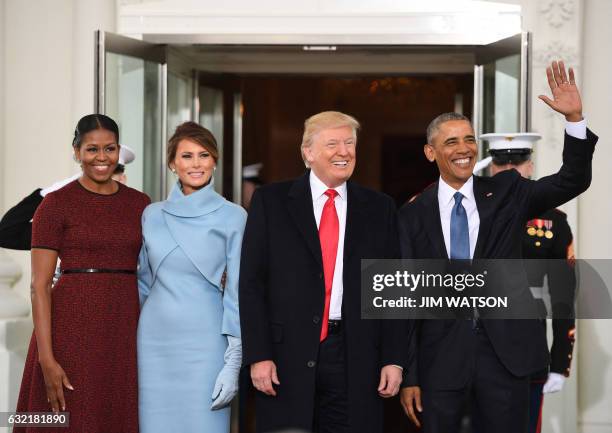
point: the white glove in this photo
(226, 385)
(59, 184)
(554, 383)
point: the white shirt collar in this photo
(318, 188)
(446, 192)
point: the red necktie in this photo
(328, 236)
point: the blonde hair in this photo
(325, 120)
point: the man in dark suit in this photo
(463, 217)
(316, 364)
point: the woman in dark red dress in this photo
(82, 356)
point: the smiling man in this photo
(316, 365)
(464, 217)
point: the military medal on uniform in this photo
(548, 233)
(531, 230)
(539, 224)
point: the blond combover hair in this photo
(325, 120)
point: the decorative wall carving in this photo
(556, 50)
(557, 12)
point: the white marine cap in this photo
(511, 141)
(505, 144)
(251, 171)
(126, 155)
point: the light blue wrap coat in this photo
(188, 241)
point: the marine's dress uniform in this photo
(189, 240)
(548, 250)
(16, 224)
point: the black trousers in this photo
(499, 400)
(331, 398)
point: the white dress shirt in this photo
(577, 129)
(318, 188)
(446, 201)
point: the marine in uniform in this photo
(549, 263)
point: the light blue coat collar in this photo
(196, 204)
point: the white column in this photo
(2, 142)
(14, 309)
(15, 330)
(595, 214)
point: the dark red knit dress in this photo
(94, 316)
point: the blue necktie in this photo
(460, 240)
(459, 232)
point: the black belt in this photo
(334, 327)
(97, 271)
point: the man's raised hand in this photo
(566, 97)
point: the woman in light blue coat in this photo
(189, 351)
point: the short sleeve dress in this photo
(94, 316)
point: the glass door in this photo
(220, 109)
(502, 86)
(211, 116)
(130, 87)
(182, 100)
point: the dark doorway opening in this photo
(393, 111)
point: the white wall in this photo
(595, 215)
(88, 16)
(49, 47)
(38, 40)
(3, 178)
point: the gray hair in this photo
(434, 125)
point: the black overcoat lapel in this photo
(356, 220)
(302, 213)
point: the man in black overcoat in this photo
(316, 364)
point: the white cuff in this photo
(577, 129)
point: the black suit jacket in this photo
(282, 300)
(505, 202)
